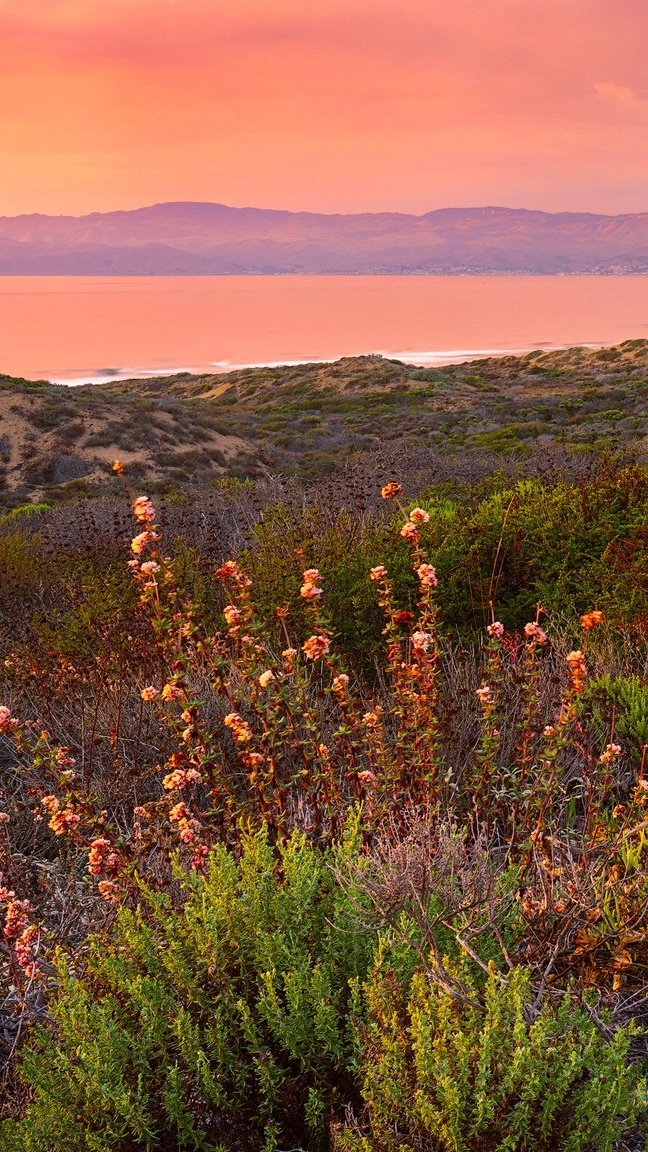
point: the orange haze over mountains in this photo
(343, 106)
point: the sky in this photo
(324, 105)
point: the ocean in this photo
(77, 329)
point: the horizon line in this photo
(310, 212)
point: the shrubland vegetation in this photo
(325, 814)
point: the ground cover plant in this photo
(268, 886)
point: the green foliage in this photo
(220, 1024)
(487, 1076)
(628, 699)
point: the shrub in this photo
(487, 1075)
(220, 1022)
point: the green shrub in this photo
(449, 1076)
(222, 1024)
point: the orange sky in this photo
(327, 105)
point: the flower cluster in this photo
(102, 857)
(143, 510)
(7, 721)
(181, 778)
(20, 931)
(591, 620)
(239, 728)
(577, 670)
(427, 576)
(309, 589)
(63, 820)
(188, 827)
(534, 633)
(316, 647)
(495, 630)
(391, 491)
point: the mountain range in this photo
(189, 238)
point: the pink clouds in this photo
(334, 106)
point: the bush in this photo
(486, 1076)
(220, 1022)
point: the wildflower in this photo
(118, 467)
(143, 510)
(610, 754)
(233, 615)
(410, 533)
(199, 858)
(419, 516)
(309, 591)
(485, 695)
(366, 777)
(149, 693)
(288, 655)
(495, 630)
(535, 634)
(7, 722)
(281, 613)
(99, 849)
(172, 692)
(266, 678)
(230, 571)
(316, 647)
(378, 573)
(421, 640)
(180, 778)
(340, 684)
(427, 576)
(239, 728)
(548, 730)
(391, 490)
(140, 543)
(577, 669)
(62, 758)
(591, 620)
(109, 891)
(403, 617)
(64, 820)
(149, 567)
(4, 818)
(372, 719)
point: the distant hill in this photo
(192, 238)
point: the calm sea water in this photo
(74, 328)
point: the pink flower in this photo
(419, 516)
(410, 533)
(233, 615)
(427, 576)
(149, 693)
(316, 647)
(611, 753)
(140, 543)
(421, 640)
(485, 695)
(378, 573)
(7, 722)
(496, 630)
(391, 490)
(367, 778)
(144, 510)
(535, 634)
(340, 684)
